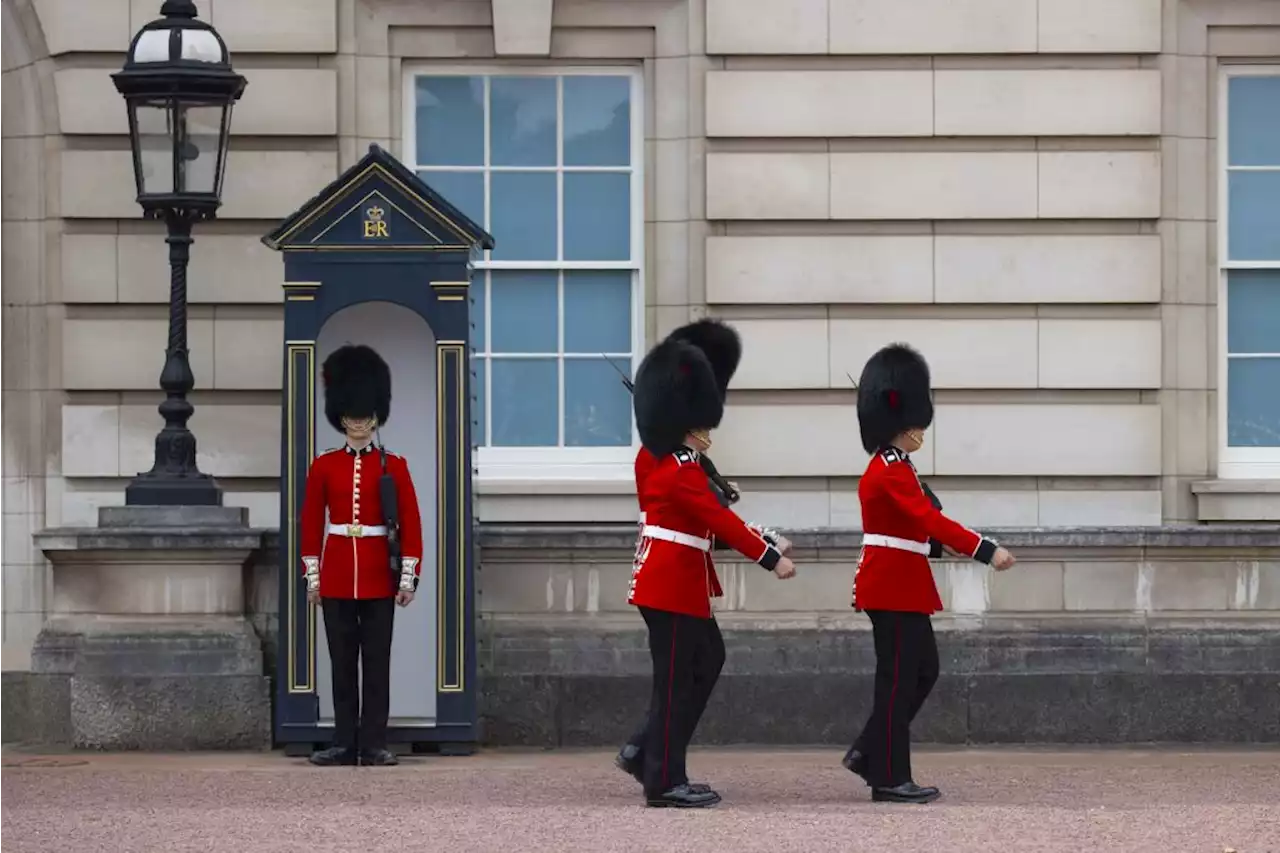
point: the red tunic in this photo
(895, 508)
(676, 501)
(345, 483)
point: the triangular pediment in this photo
(378, 204)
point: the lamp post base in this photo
(169, 490)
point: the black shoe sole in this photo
(677, 804)
(626, 767)
(856, 770)
(878, 797)
(315, 763)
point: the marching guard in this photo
(679, 398)
(903, 526)
(365, 559)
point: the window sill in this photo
(1237, 500)
(554, 482)
(583, 471)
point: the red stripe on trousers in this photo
(897, 655)
(666, 732)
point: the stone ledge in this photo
(184, 517)
(574, 537)
(158, 538)
(159, 528)
(130, 646)
(578, 537)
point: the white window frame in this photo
(543, 464)
(1235, 463)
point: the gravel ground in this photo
(1161, 801)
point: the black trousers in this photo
(688, 655)
(359, 634)
(906, 670)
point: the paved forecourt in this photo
(774, 800)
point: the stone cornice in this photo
(610, 537)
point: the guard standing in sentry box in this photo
(365, 559)
(903, 526)
(723, 348)
(678, 402)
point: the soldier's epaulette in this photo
(330, 450)
(892, 454)
(685, 456)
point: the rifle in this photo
(390, 515)
(727, 494)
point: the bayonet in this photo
(625, 381)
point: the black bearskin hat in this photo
(720, 344)
(357, 384)
(675, 392)
(893, 396)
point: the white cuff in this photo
(407, 574)
(768, 534)
(313, 572)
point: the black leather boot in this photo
(631, 761)
(334, 756)
(907, 792)
(856, 762)
(683, 797)
(378, 758)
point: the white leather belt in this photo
(894, 542)
(676, 536)
(356, 531)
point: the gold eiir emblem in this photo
(374, 226)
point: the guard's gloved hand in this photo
(935, 547)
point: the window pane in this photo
(597, 121)
(1253, 311)
(1253, 406)
(522, 121)
(597, 311)
(463, 190)
(597, 216)
(1254, 216)
(477, 400)
(597, 406)
(450, 121)
(1253, 121)
(526, 402)
(525, 311)
(523, 215)
(476, 292)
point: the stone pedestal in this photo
(147, 646)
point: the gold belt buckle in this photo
(356, 530)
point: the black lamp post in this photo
(180, 88)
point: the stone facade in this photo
(1026, 189)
